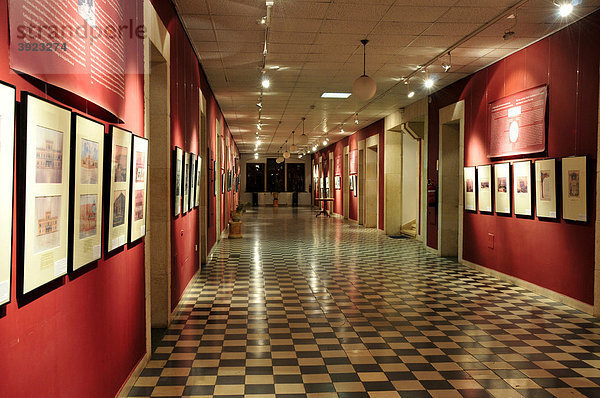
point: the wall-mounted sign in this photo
(517, 123)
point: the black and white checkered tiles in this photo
(305, 307)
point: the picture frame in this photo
(8, 97)
(139, 189)
(198, 181)
(119, 188)
(192, 180)
(45, 153)
(469, 188)
(351, 183)
(223, 182)
(545, 188)
(502, 188)
(338, 182)
(522, 188)
(177, 179)
(216, 186)
(574, 188)
(186, 182)
(87, 172)
(484, 188)
(355, 183)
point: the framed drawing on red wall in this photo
(177, 178)
(198, 181)
(186, 182)
(484, 188)
(45, 160)
(119, 189)
(517, 123)
(139, 189)
(192, 180)
(355, 184)
(574, 188)
(7, 156)
(87, 160)
(469, 188)
(522, 188)
(338, 182)
(545, 188)
(502, 188)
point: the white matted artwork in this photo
(7, 153)
(574, 188)
(177, 178)
(198, 181)
(469, 177)
(119, 189)
(139, 189)
(484, 187)
(502, 188)
(87, 191)
(522, 188)
(46, 156)
(545, 190)
(192, 180)
(186, 182)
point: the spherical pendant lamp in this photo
(364, 88)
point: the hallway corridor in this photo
(315, 307)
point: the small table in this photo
(325, 201)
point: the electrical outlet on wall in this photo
(491, 241)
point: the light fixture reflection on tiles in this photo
(364, 88)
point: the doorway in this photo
(371, 192)
(331, 184)
(410, 185)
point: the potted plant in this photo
(235, 225)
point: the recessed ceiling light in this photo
(336, 95)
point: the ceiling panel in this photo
(316, 46)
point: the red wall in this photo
(336, 150)
(187, 77)
(555, 255)
(82, 335)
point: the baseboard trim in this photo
(542, 291)
(133, 376)
(353, 222)
(431, 249)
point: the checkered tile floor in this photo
(315, 307)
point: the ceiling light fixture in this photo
(336, 95)
(266, 83)
(303, 138)
(565, 9)
(356, 119)
(293, 148)
(447, 66)
(428, 80)
(410, 93)
(364, 88)
(259, 126)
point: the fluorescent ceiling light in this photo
(336, 95)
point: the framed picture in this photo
(484, 188)
(139, 189)
(119, 187)
(192, 180)
(87, 160)
(354, 182)
(186, 182)
(469, 176)
(338, 182)
(522, 188)
(223, 182)
(198, 181)
(44, 160)
(545, 192)
(177, 178)
(574, 188)
(229, 180)
(216, 186)
(502, 188)
(7, 157)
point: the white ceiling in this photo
(316, 44)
